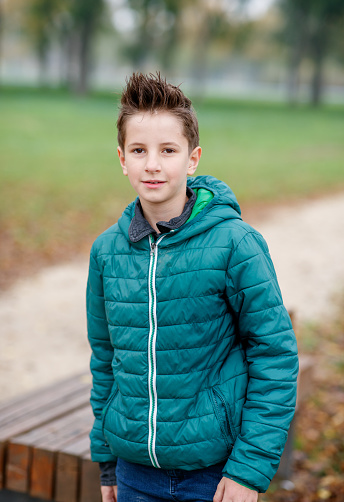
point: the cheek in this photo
(133, 174)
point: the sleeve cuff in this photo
(239, 482)
(108, 473)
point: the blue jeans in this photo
(139, 483)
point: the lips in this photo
(153, 183)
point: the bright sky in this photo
(124, 18)
(257, 8)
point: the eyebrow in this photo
(169, 143)
(165, 143)
(135, 144)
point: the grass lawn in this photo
(61, 183)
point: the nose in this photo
(152, 163)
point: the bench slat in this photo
(68, 469)
(17, 470)
(89, 482)
(42, 398)
(39, 447)
(43, 433)
(42, 415)
(45, 457)
(67, 478)
(24, 414)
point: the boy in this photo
(194, 360)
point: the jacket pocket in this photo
(106, 408)
(223, 417)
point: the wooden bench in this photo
(44, 444)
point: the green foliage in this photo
(73, 24)
(156, 30)
(312, 29)
(324, 10)
(41, 16)
(85, 11)
(165, 28)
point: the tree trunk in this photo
(145, 45)
(1, 34)
(293, 75)
(200, 58)
(43, 59)
(86, 33)
(67, 51)
(297, 54)
(300, 36)
(318, 50)
(169, 47)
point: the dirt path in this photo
(42, 318)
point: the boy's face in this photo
(156, 159)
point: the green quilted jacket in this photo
(194, 359)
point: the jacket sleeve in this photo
(101, 359)
(269, 342)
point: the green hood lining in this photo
(204, 196)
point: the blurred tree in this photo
(1, 29)
(209, 23)
(86, 16)
(338, 42)
(156, 32)
(40, 21)
(309, 30)
(171, 38)
(73, 23)
(219, 26)
(296, 36)
(327, 18)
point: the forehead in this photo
(159, 126)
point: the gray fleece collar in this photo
(140, 228)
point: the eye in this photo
(168, 150)
(138, 150)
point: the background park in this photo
(267, 82)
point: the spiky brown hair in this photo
(152, 93)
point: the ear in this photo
(122, 160)
(194, 159)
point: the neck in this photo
(154, 213)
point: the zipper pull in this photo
(152, 248)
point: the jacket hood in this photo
(221, 191)
(223, 206)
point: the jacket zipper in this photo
(224, 421)
(153, 399)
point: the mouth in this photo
(153, 183)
